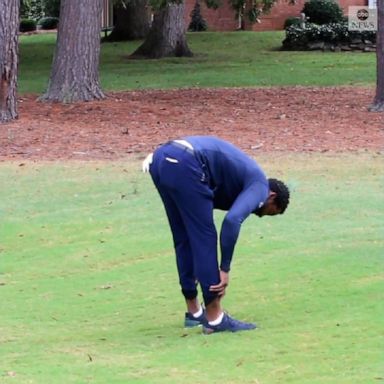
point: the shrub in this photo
(197, 23)
(323, 11)
(48, 22)
(292, 21)
(31, 9)
(334, 33)
(27, 25)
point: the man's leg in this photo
(161, 171)
(196, 210)
(189, 205)
(184, 261)
(188, 201)
(184, 257)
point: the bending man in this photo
(194, 176)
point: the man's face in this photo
(269, 208)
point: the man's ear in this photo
(272, 196)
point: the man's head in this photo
(277, 201)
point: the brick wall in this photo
(276, 18)
(223, 19)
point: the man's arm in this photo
(246, 203)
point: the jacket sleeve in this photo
(246, 203)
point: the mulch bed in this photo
(293, 119)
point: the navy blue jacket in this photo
(239, 185)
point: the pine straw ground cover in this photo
(299, 119)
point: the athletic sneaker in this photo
(190, 321)
(228, 324)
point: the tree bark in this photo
(9, 59)
(378, 102)
(132, 21)
(167, 34)
(75, 69)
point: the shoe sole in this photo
(209, 331)
(192, 324)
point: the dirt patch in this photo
(299, 119)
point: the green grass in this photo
(89, 291)
(235, 59)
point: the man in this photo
(194, 176)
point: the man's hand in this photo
(220, 288)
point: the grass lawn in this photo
(233, 59)
(89, 291)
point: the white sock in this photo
(198, 313)
(218, 320)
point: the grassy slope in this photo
(237, 59)
(89, 290)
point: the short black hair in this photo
(282, 193)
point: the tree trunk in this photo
(75, 69)
(378, 102)
(166, 36)
(132, 21)
(9, 27)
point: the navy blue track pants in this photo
(180, 180)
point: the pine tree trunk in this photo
(378, 103)
(132, 21)
(9, 26)
(167, 34)
(75, 69)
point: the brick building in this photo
(223, 18)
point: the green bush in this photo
(323, 12)
(27, 25)
(197, 23)
(31, 9)
(292, 21)
(48, 22)
(334, 33)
